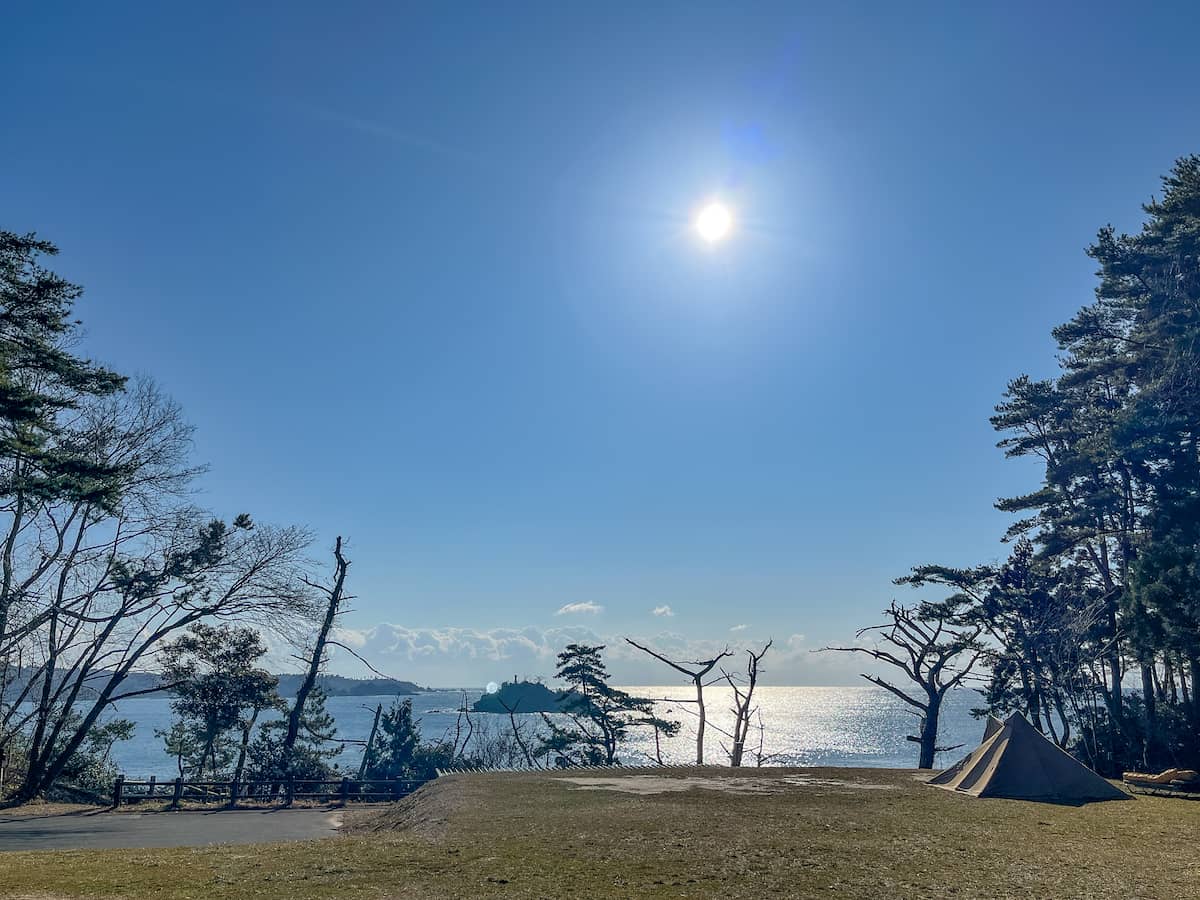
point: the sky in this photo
(425, 276)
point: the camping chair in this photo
(1171, 783)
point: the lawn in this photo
(768, 832)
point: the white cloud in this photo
(587, 606)
(739, 627)
(471, 657)
(456, 656)
(663, 610)
(348, 636)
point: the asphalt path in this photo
(101, 830)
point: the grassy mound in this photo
(425, 813)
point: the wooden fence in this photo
(284, 792)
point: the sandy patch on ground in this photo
(38, 809)
(657, 784)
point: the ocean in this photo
(802, 726)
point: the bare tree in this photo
(62, 551)
(461, 741)
(334, 597)
(743, 708)
(923, 645)
(517, 734)
(697, 671)
(103, 556)
(494, 746)
(101, 578)
(97, 639)
(139, 439)
(761, 757)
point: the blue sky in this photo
(425, 277)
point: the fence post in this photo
(178, 795)
(150, 787)
(233, 793)
(396, 789)
(290, 790)
(118, 790)
(345, 789)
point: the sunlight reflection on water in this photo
(816, 726)
(804, 726)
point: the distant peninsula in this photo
(523, 697)
(289, 683)
(340, 686)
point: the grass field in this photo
(769, 832)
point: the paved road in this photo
(96, 830)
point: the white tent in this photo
(1016, 761)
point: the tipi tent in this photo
(943, 778)
(993, 725)
(1016, 761)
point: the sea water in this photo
(801, 726)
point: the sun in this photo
(714, 222)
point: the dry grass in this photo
(525, 836)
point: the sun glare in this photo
(714, 222)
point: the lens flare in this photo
(714, 222)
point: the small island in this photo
(341, 686)
(522, 696)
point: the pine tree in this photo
(1116, 516)
(40, 379)
(217, 688)
(598, 715)
(1144, 328)
(398, 751)
(311, 756)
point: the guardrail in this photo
(285, 791)
(464, 769)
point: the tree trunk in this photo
(209, 753)
(735, 754)
(49, 764)
(1114, 697)
(240, 768)
(1113, 659)
(6, 583)
(1033, 705)
(929, 732)
(365, 765)
(296, 716)
(700, 723)
(1194, 672)
(1065, 738)
(1160, 688)
(1148, 698)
